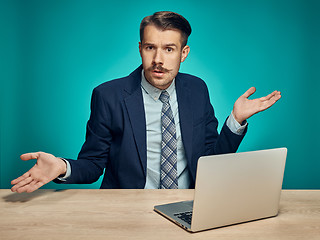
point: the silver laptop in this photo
(230, 189)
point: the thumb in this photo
(28, 156)
(249, 92)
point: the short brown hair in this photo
(166, 20)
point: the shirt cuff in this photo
(234, 126)
(68, 172)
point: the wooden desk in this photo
(128, 214)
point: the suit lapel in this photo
(185, 116)
(135, 108)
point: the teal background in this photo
(53, 53)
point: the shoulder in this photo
(112, 85)
(116, 86)
(191, 82)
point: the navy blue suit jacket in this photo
(116, 132)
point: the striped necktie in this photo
(168, 164)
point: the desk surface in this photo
(128, 214)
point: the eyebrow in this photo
(167, 45)
(170, 45)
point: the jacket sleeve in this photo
(93, 156)
(226, 141)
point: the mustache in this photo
(159, 68)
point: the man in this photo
(147, 130)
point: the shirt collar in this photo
(153, 91)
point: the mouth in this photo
(158, 71)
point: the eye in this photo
(169, 49)
(149, 47)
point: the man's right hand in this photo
(47, 168)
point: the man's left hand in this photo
(245, 108)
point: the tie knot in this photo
(164, 97)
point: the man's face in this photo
(161, 55)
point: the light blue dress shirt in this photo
(153, 108)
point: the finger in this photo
(273, 99)
(249, 92)
(268, 97)
(28, 156)
(21, 178)
(270, 102)
(22, 189)
(26, 188)
(21, 184)
(34, 186)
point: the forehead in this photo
(155, 35)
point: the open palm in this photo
(244, 108)
(47, 168)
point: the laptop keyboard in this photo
(185, 216)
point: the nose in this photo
(158, 58)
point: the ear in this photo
(140, 47)
(185, 52)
